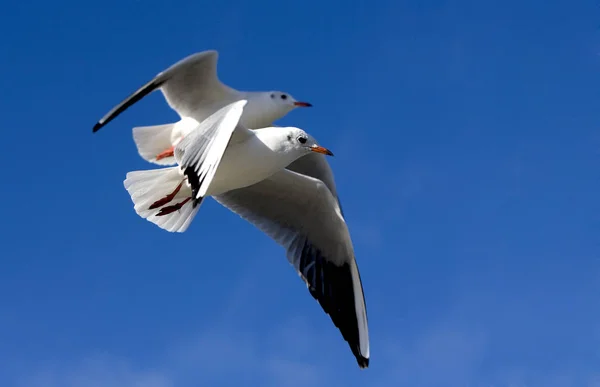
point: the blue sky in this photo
(467, 154)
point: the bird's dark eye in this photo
(272, 95)
(302, 140)
(283, 96)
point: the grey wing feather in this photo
(193, 81)
(200, 152)
(316, 165)
(301, 214)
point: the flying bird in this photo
(192, 88)
(244, 170)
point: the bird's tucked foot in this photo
(167, 153)
(175, 207)
(166, 199)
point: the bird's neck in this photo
(275, 149)
(259, 112)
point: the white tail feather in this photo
(147, 187)
(153, 140)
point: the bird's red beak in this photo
(320, 149)
(302, 104)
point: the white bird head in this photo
(297, 141)
(285, 100)
(265, 107)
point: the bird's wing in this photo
(301, 214)
(316, 165)
(186, 85)
(201, 151)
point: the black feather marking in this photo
(127, 102)
(331, 285)
(195, 183)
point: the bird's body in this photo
(259, 113)
(250, 160)
(220, 155)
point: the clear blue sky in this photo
(467, 147)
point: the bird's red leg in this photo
(166, 199)
(167, 153)
(175, 207)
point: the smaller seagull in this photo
(245, 171)
(192, 88)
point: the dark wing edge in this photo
(127, 102)
(333, 286)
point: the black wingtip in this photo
(363, 362)
(127, 102)
(332, 286)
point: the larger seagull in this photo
(298, 207)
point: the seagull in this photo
(245, 171)
(192, 88)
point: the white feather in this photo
(153, 140)
(147, 187)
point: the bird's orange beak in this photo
(302, 104)
(320, 149)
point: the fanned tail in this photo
(163, 197)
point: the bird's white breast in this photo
(244, 164)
